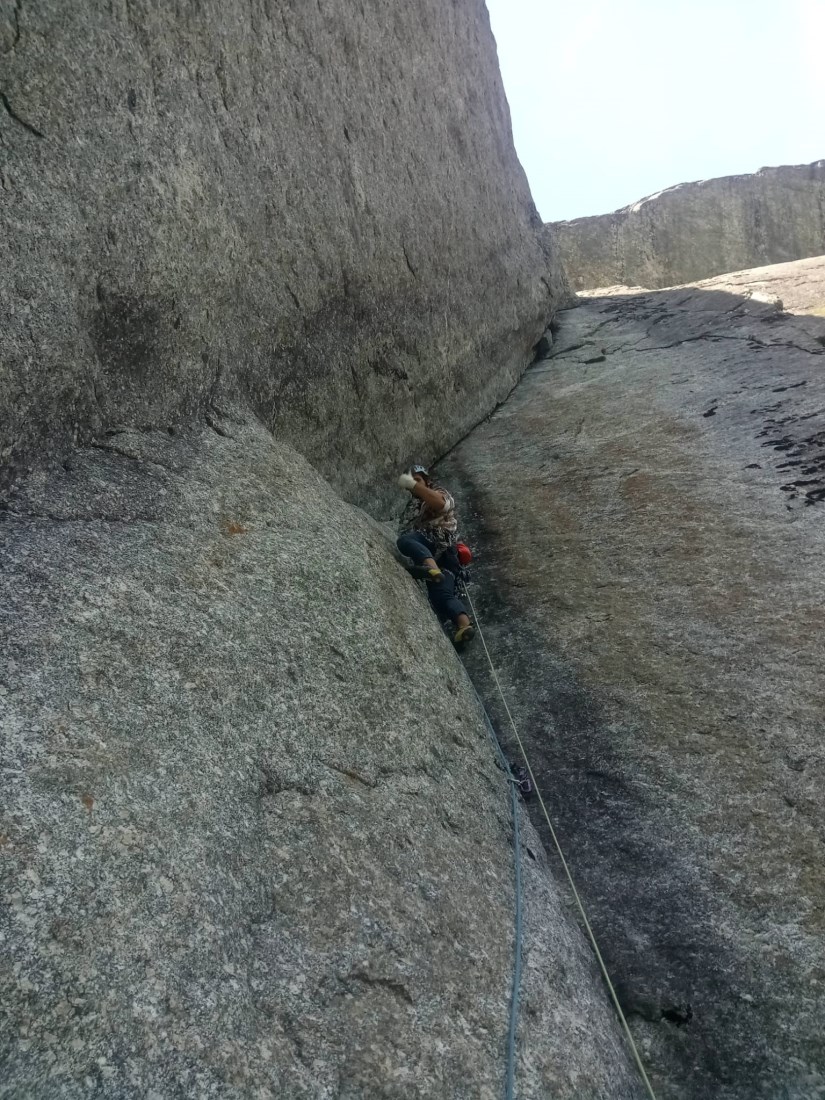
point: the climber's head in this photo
(420, 473)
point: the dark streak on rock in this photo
(412, 270)
(18, 8)
(10, 111)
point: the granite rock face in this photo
(697, 230)
(313, 206)
(796, 288)
(647, 511)
(253, 838)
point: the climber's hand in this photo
(406, 481)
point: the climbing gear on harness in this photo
(522, 780)
(462, 578)
(463, 553)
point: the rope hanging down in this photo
(590, 935)
(510, 1079)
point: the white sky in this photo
(615, 99)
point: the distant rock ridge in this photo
(313, 208)
(697, 230)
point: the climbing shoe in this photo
(464, 634)
(422, 573)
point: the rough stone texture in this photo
(647, 511)
(253, 839)
(315, 205)
(797, 287)
(696, 230)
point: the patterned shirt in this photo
(440, 525)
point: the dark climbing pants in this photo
(442, 594)
(417, 546)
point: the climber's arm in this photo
(432, 498)
(435, 500)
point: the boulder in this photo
(696, 230)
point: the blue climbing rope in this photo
(510, 1079)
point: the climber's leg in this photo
(447, 605)
(416, 546)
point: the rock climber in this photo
(429, 536)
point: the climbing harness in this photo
(579, 904)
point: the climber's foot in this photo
(425, 573)
(464, 634)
